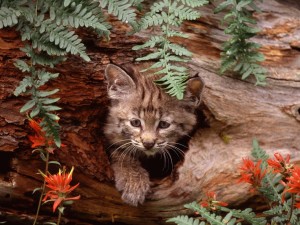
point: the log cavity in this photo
(5, 164)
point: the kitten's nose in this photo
(148, 145)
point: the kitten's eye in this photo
(135, 122)
(163, 125)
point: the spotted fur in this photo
(144, 120)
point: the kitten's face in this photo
(142, 118)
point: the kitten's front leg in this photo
(131, 179)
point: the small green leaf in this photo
(34, 112)
(70, 202)
(49, 223)
(28, 106)
(67, 3)
(48, 101)
(242, 4)
(46, 93)
(43, 157)
(53, 116)
(36, 189)
(50, 108)
(61, 209)
(54, 162)
(37, 150)
(222, 6)
(57, 142)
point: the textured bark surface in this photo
(236, 111)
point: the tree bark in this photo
(235, 112)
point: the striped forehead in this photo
(149, 113)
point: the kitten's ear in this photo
(194, 89)
(119, 82)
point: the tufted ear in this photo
(194, 89)
(120, 83)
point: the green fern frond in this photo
(67, 40)
(238, 53)
(185, 220)
(258, 153)
(183, 13)
(120, 8)
(51, 127)
(23, 86)
(212, 218)
(195, 3)
(42, 58)
(22, 65)
(246, 214)
(179, 50)
(174, 83)
(279, 214)
(85, 14)
(167, 15)
(43, 77)
(8, 17)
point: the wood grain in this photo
(235, 112)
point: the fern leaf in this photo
(21, 65)
(8, 17)
(28, 106)
(67, 40)
(27, 82)
(42, 58)
(46, 93)
(174, 84)
(211, 217)
(150, 56)
(150, 43)
(51, 127)
(247, 215)
(44, 77)
(179, 50)
(120, 8)
(258, 153)
(194, 3)
(184, 220)
(184, 13)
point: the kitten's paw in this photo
(134, 188)
(135, 194)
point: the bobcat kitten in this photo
(143, 121)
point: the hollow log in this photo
(234, 112)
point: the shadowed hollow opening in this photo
(5, 164)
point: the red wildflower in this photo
(281, 165)
(294, 181)
(60, 187)
(39, 138)
(211, 201)
(251, 173)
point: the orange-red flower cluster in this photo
(293, 184)
(211, 201)
(252, 173)
(39, 138)
(281, 165)
(60, 187)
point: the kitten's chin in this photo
(150, 152)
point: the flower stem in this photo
(292, 208)
(59, 217)
(43, 189)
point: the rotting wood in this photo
(235, 110)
